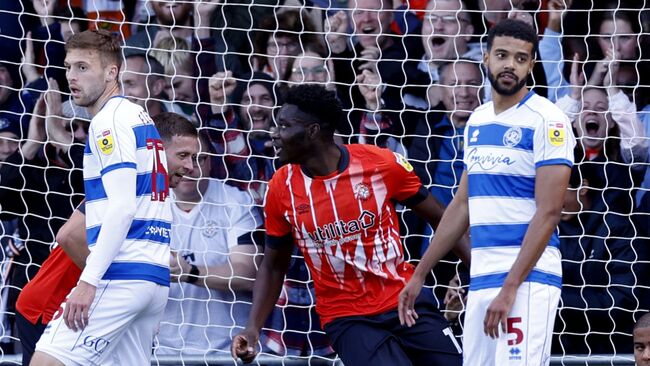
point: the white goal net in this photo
(408, 74)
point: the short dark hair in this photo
(515, 29)
(99, 40)
(643, 322)
(171, 124)
(318, 102)
(153, 66)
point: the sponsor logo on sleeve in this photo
(105, 142)
(401, 160)
(556, 134)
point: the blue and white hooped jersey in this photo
(502, 153)
(122, 135)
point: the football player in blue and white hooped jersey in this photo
(518, 158)
(122, 291)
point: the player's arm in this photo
(119, 185)
(451, 230)
(551, 182)
(266, 290)
(72, 237)
(237, 274)
(432, 211)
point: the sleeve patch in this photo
(401, 160)
(105, 142)
(556, 134)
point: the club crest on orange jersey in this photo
(105, 142)
(361, 192)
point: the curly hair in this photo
(320, 103)
(515, 29)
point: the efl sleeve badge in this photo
(105, 142)
(556, 134)
(401, 160)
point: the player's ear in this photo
(111, 73)
(486, 58)
(313, 131)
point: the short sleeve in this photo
(401, 178)
(244, 218)
(114, 145)
(554, 142)
(275, 210)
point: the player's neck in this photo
(505, 102)
(324, 161)
(111, 90)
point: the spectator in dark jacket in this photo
(604, 264)
(41, 185)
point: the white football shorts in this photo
(527, 341)
(123, 319)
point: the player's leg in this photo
(134, 346)
(43, 359)
(530, 326)
(430, 341)
(28, 334)
(116, 305)
(364, 341)
(478, 348)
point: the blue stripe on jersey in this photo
(144, 132)
(138, 271)
(498, 185)
(87, 148)
(496, 280)
(146, 230)
(118, 166)
(493, 135)
(506, 235)
(566, 162)
(95, 188)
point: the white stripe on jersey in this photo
(501, 210)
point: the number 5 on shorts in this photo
(512, 328)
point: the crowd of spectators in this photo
(408, 73)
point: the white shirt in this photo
(199, 320)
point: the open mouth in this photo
(368, 30)
(591, 127)
(437, 41)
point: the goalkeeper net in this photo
(408, 74)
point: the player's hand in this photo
(406, 305)
(77, 306)
(179, 268)
(244, 345)
(497, 312)
(455, 299)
